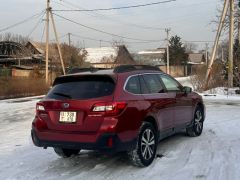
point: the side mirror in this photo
(187, 89)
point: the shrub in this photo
(216, 80)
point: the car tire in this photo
(197, 126)
(66, 153)
(145, 150)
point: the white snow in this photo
(185, 81)
(101, 55)
(215, 155)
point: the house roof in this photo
(195, 57)
(22, 67)
(153, 57)
(153, 51)
(101, 55)
(40, 47)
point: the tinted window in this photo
(133, 85)
(170, 84)
(82, 88)
(153, 83)
(143, 85)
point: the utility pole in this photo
(49, 15)
(239, 22)
(57, 41)
(69, 39)
(216, 42)
(168, 31)
(222, 54)
(231, 42)
(206, 54)
(47, 39)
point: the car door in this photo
(161, 103)
(183, 101)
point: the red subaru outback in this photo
(129, 108)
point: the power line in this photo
(101, 16)
(43, 32)
(104, 32)
(37, 24)
(108, 41)
(123, 7)
(60, 37)
(21, 22)
(92, 39)
(198, 41)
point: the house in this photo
(153, 57)
(38, 51)
(13, 53)
(108, 57)
(194, 60)
(156, 57)
(21, 71)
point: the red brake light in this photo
(39, 123)
(109, 108)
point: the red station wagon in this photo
(126, 109)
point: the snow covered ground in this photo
(215, 155)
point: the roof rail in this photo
(79, 70)
(127, 68)
(118, 69)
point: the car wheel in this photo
(197, 126)
(145, 150)
(65, 153)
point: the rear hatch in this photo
(69, 103)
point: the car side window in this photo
(153, 83)
(133, 85)
(144, 88)
(170, 84)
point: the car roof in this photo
(124, 69)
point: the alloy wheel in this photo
(198, 121)
(148, 144)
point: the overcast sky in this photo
(190, 19)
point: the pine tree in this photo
(177, 52)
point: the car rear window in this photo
(85, 87)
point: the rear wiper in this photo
(64, 95)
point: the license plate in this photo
(68, 117)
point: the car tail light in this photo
(39, 108)
(109, 108)
(39, 121)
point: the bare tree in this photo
(227, 19)
(190, 47)
(72, 57)
(14, 37)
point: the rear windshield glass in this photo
(87, 87)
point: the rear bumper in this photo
(107, 142)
